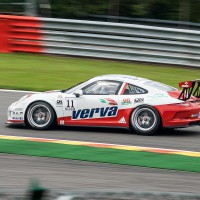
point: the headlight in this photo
(23, 98)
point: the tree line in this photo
(175, 10)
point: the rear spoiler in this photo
(189, 88)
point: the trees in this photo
(153, 9)
(183, 10)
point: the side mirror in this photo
(78, 93)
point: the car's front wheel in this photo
(40, 115)
(145, 120)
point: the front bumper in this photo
(15, 114)
(15, 122)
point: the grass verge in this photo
(114, 156)
(42, 72)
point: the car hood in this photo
(52, 94)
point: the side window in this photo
(132, 89)
(102, 88)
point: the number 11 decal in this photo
(70, 104)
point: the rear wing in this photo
(189, 88)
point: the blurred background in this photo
(149, 12)
(152, 31)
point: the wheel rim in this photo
(145, 119)
(39, 115)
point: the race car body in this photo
(112, 101)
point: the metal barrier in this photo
(121, 41)
(103, 40)
(21, 34)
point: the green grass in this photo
(114, 156)
(42, 72)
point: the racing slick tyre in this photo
(145, 120)
(40, 115)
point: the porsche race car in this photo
(124, 101)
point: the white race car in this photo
(112, 101)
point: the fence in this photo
(100, 39)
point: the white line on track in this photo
(18, 91)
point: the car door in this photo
(98, 106)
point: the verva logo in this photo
(95, 113)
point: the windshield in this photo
(71, 88)
(160, 86)
(76, 87)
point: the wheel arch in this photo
(159, 112)
(142, 105)
(53, 108)
(146, 105)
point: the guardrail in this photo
(105, 40)
(20, 34)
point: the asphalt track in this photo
(16, 171)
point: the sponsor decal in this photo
(17, 113)
(109, 101)
(59, 102)
(95, 113)
(138, 100)
(61, 122)
(122, 120)
(17, 118)
(18, 109)
(70, 105)
(197, 115)
(156, 97)
(186, 84)
(69, 108)
(126, 101)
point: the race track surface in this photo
(67, 175)
(16, 171)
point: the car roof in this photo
(122, 77)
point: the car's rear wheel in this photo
(40, 115)
(145, 120)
